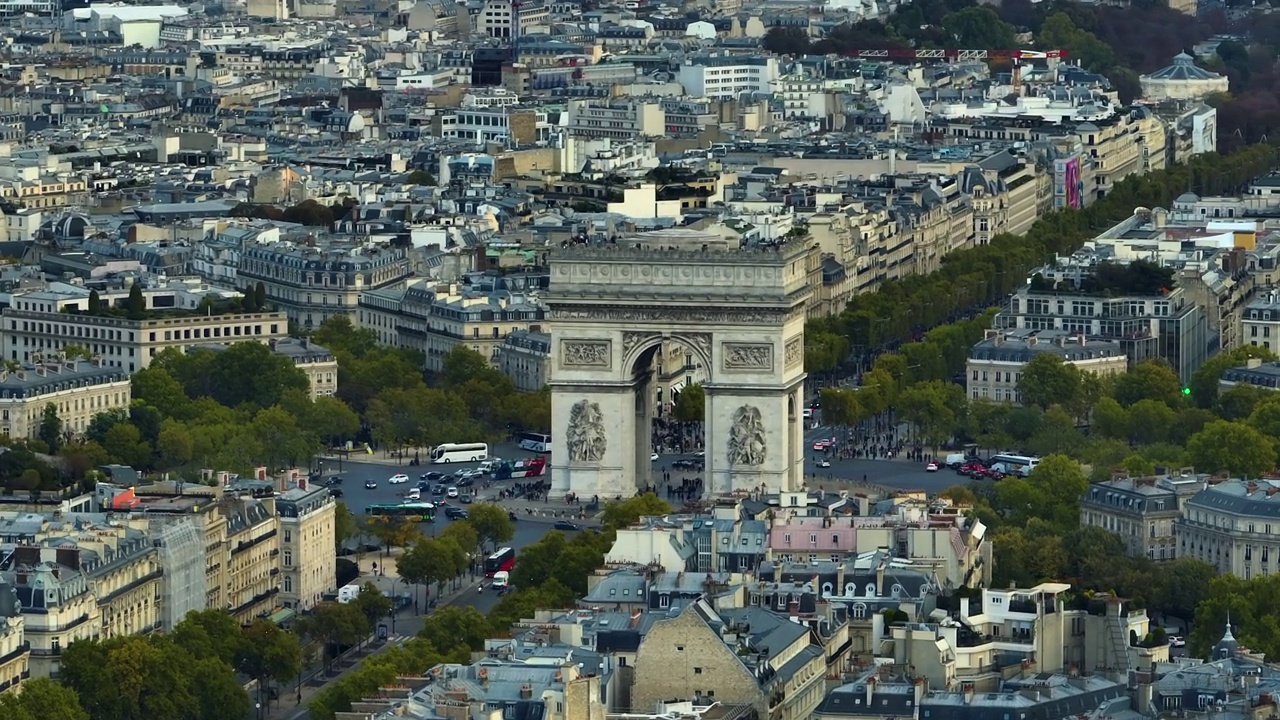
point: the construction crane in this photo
(954, 55)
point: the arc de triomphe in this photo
(739, 313)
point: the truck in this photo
(347, 593)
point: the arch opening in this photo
(668, 375)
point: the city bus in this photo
(535, 442)
(417, 512)
(501, 561)
(1010, 464)
(460, 453)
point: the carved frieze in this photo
(747, 438)
(794, 353)
(632, 340)
(748, 356)
(585, 353)
(672, 315)
(586, 435)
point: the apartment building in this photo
(1260, 321)
(1168, 325)
(524, 356)
(58, 606)
(1046, 628)
(995, 363)
(307, 558)
(1233, 526)
(436, 322)
(948, 544)
(315, 361)
(42, 324)
(622, 119)
(725, 543)
(15, 650)
(252, 556)
(742, 656)
(77, 390)
(1143, 512)
(726, 77)
(311, 285)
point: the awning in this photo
(280, 616)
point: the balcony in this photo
(1023, 606)
(18, 652)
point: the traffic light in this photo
(1186, 391)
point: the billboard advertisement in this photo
(1071, 179)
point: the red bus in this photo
(501, 561)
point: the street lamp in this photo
(258, 709)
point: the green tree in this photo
(1050, 493)
(269, 653)
(1181, 586)
(1047, 380)
(1204, 383)
(283, 442)
(212, 633)
(175, 446)
(1150, 421)
(462, 364)
(691, 402)
(1149, 380)
(618, 515)
(453, 626)
(136, 305)
(260, 296)
(425, 563)
(344, 524)
(337, 625)
(42, 699)
(158, 388)
(372, 604)
(842, 407)
(979, 27)
(247, 302)
(931, 408)
(125, 445)
(1231, 447)
(491, 524)
(95, 303)
(51, 428)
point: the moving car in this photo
(451, 492)
(822, 445)
(1177, 641)
(654, 457)
(430, 476)
(824, 463)
(335, 492)
(455, 513)
(333, 481)
(566, 525)
(370, 485)
(931, 467)
(398, 479)
(414, 494)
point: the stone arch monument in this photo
(738, 312)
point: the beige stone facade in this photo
(15, 651)
(995, 364)
(316, 362)
(34, 327)
(77, 389)
(253, 557)
(307, 558)
(1141, 511)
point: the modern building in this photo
(1060, 297)
(307, 559)
(1233, 525)
(41, 324)
(727, 77)
(995, 363)
(77, 389)
(311, 285)
(524, 356)
(1141, 511)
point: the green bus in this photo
(417, 512)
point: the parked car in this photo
(931, 467)
(566, 525)
(1177, 641)
(370, 485)
(437, 490)
(398, 479)
(654, 457)
(824, 463)
(431, 476)
(333, 481)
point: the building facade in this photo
(995, 364)
(307, 559)
(311, 285)
(1141, 511)
(76, 389)
(315, 361)
(524, 356)
(1233, 525)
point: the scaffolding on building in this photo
(180, 544)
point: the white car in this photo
(399, 479)
(824, 463)
(1177, 641)
(451, 492)
(931, 467)
(654, 457)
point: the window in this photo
(288, 558)
(697, 671)
(288, 536)
(288, 584)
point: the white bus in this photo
(1009, 464)
(460, 453)
(535, 442)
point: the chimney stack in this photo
(871, 689)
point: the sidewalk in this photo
(294, 699)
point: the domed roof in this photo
(1188, 197)
(1183, 68)
(68, 226)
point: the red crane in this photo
(951, 54)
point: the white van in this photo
(414, 494)
(501, 578)
(955, 460)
